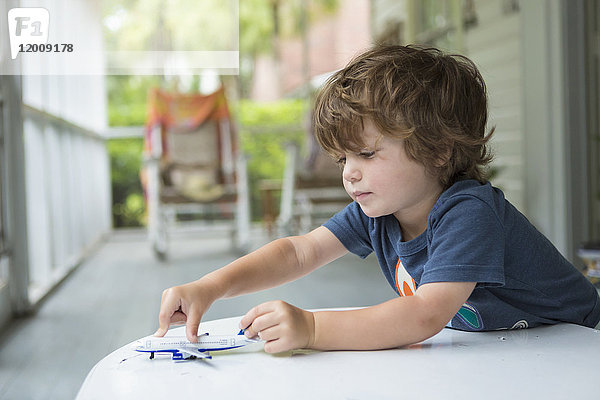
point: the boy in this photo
(407, 125)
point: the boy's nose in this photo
(351, 173)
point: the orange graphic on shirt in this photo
(404, 282)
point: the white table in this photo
(552, 362)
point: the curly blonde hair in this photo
(436, 103)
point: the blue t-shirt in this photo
(475, 235)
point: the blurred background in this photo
(115, 186)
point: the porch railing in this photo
(68, 196)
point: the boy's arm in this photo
(398, 322)
(278, 262)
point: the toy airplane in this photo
(182, 349)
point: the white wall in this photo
(67, 175)
(494, 45)
(77, 99)
(521, 53)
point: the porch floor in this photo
(113, 298)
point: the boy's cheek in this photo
(347, 189)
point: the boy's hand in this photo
(183, 304)
(283, 326)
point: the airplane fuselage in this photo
(180, 348)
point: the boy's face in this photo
(383, 180)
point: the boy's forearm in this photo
(395, 323)
(270, 265)
(398, 322)
(276, 263)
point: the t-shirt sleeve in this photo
(351, 227)
(466, 244)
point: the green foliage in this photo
(266, 128)
(127, 195)
(127, 97)
(183, 25)
(257, 21)
(256, 27)
(207, 25)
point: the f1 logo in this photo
(27, 26)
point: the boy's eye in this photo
(366, 154)
(341, 161)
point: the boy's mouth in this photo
(361, 195)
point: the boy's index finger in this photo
(169, 306)
(248, 319)
(164, 321)
(161, 331)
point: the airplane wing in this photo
(194, 352)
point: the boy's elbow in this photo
(436, 327)
(429, 327)
(430, 323)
